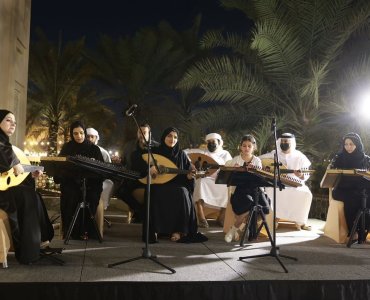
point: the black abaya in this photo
(28, 219)
(71, 191)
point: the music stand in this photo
(275, 251)
(82, 205)
(146, 254)
(245, 176)
(64, 167)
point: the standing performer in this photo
(351, 156)
(292, 204)
(206, 191)
(70, 187)
(29, 222)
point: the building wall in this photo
(15, 17)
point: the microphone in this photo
(273, 124)
(131, 110)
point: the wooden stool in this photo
(336, 225)
(6, 242)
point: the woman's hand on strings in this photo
(153, 171)
(18, 170)
(37, 173)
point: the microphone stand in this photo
(274, 252)
(146, 254)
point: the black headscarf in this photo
(74, 148)
(3, 113)
(356, 159)
(8, 159)
(171, 153)
(74, 125)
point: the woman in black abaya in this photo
(70, 185)
(172, 209)
(27, 215)
(349, 189)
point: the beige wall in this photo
(15, 16)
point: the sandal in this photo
(230, 235)
(175, 237)
(203, 223)
(306, 227)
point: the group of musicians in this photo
(177, 206)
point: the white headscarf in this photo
(293, 143)
(211, 136)
(92, 131)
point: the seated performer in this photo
(292, 204)
(132, 159)
(206, 192)
(351, 156)
(93, 137)
(70, 187)
(172, 210)
(29, 222)
(242, 199)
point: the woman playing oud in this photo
(30, 226)
(172, 210)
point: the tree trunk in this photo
(53, 139)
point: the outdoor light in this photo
(364, 107)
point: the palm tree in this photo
(285, 63)
(58, 88)
(145, 68)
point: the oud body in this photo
(8, 179)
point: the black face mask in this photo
(284, 146)
(211, 147)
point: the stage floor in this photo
(319, 258)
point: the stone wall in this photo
(15, 16)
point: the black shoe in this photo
(152, 238)
(50, 250)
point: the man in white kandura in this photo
(93, 136)
(206, 191)
(292, 204)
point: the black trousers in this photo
(28, 219)
(352, 199)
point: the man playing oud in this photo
(292, 203)
(207, 192)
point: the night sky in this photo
(77, 18)
(90, 18)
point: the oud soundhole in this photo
(8, 180)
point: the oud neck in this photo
(166, 170)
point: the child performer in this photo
(242, 199)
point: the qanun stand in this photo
(360, 218)
(275, 251)
(83, 205)
(251, 231)
(48, 253)
(146, 254)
